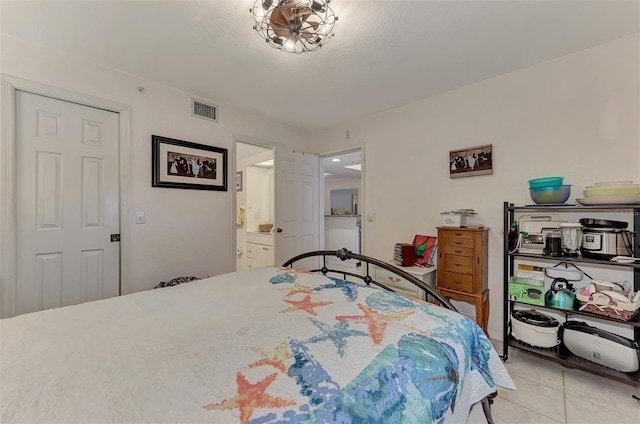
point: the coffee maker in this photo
(553, 244)
(533, 229)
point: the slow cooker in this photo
(534, 328)
(605, 239)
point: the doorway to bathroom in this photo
(255, 206)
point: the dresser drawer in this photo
(458, 242)
(458, 234)
(460, 251)
(458, 264)
(455, 281)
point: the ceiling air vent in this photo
(204, 111)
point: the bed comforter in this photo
(264, 345)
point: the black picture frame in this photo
(187, 165)
(471, 161)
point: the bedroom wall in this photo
(187, 232)
(576, 116)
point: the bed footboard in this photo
(345, 254)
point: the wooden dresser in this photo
(463, 266)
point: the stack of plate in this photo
(611, 193)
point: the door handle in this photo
(278, 230)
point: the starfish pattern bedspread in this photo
(267, 345)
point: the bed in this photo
(265, 345)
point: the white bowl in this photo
(615, 184)
(619, 191)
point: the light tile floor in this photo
(549, 394)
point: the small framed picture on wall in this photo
(471, 161)
(239, 181)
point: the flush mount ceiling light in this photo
(296, 26)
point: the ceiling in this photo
(384, 54)
(334, 165)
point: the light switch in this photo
(140, 217)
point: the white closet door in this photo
(68, 203)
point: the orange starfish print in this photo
(293, 271)
(276, 358)
(299, 288)
(304, 305)
(376, 321)
(250, 397)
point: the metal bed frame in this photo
(345, 254)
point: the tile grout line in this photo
(604, 406)
(531, 410)
(564, 396)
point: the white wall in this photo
(259, 197)
(187, 232)
(576, 116)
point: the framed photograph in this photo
(182, 164)
(471, 161)
(239, 181)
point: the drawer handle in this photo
(458, 242)
(458, 264)
(458, 234)
(397, 280)
(457, 282)
(458, 251)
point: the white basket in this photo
(453, 219)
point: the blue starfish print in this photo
(336, 334)
(350, 289)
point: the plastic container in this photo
(546, 182)
(550, 194)
(453, 219)
(615, 184)
(612, 191)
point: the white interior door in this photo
(67, 203)
(296, 204)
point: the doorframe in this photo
(361, 192)
(8, 189)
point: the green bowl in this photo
(546, 182)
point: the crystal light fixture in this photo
(296, 26)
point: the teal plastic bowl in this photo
(546, 182)
(550, 194)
